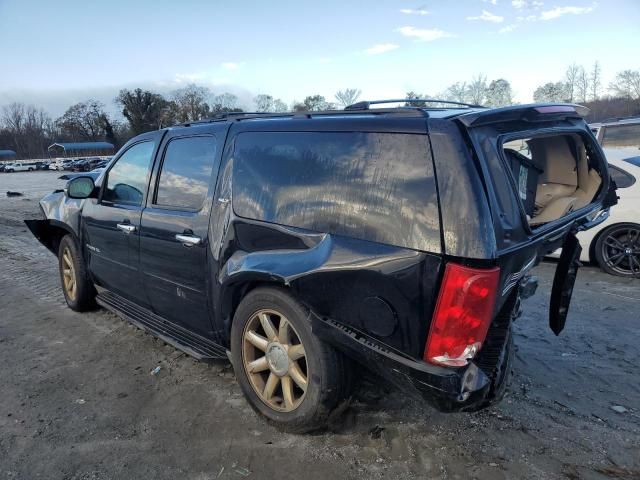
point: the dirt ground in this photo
(78, 401)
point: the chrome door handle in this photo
(126, 227)
(188, 240)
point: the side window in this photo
(371, 186)
(621, 136)
(186, 172)
(127, 179)
(622, 178)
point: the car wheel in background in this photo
(30, 169)
(617, 250)
(77, 286)
(287, 374)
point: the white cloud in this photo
(416, 11)
(424, 34)
(558, 12)
(381, 48)
(528, 18)
(487, 17)
(492, 2)
(230, 65)
(508, 28)
(526, 4)
(188, 77)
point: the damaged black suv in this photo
(297, 244)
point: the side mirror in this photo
(80, 187)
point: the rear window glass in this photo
(621, 136)
(622, 178)
(371, 186)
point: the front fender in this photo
(62, 215)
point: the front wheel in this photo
(30, 169)
(617, 250)
(287, 374)
(77, 286)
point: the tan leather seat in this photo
(566, 183)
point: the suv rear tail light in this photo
(462, 316)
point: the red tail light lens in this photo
(462, 315)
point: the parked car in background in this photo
(298, 243)
(86, 164)
(43, 165)
(19, 167)
(615, 244)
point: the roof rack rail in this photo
(365, 105)
(239, 116)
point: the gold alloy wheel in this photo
(68, 274)
(274, 360)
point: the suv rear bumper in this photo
(447, 389)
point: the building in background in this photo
(7, 155)
(80, 149)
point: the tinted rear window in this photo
(621, 136)
(371, 186)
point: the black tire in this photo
(617, 250)
(30, 169)
(82, 297)
(326, 384)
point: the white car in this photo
(19, 167)
(615, 244)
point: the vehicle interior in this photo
(553, 175)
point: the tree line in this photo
(29, 130)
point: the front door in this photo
(111, 224)
(173, 230)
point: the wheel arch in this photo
(50, 232)
(233, 292)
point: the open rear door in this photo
(563, 282)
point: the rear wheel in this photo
(77, 286)
(288, 375)
(617, 250)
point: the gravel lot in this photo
(78, 400)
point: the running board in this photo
(181, 338)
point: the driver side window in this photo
(127, 180)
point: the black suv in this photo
(298, 243)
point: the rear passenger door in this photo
(174, 224)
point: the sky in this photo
(54, 53)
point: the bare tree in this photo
(457, 92)
(279, 106)
(84, 121)
(595, 81)
(348, 96)
(627, 84)
(411, 97)
(144, 110)
(225, 102)
(26, 129)
(266, 103)
(551, 92)
(499, 93)
(477, 90)
(582, 85)
(571, 79)
(190, 103)
(13, 116)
